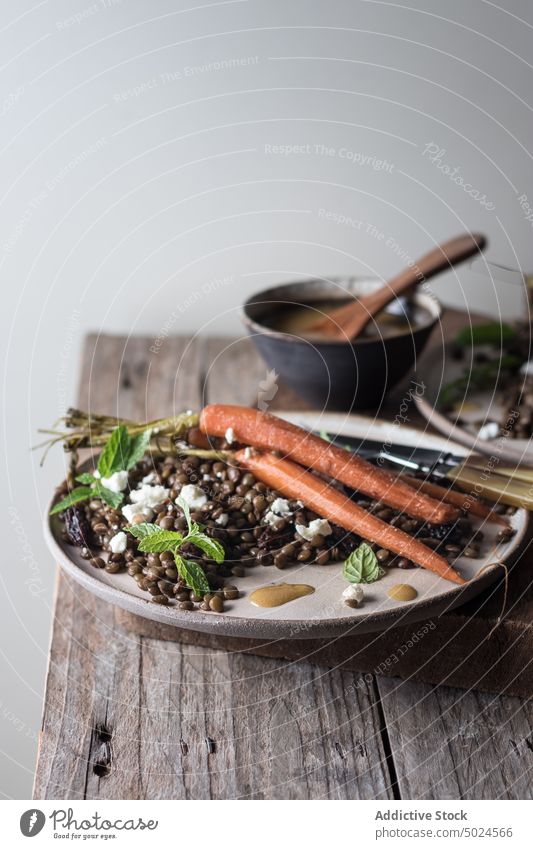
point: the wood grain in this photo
(130, 716)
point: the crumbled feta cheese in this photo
(222, 519)
(317, 526)
(279, 509)
(150, 478)
(206, 477)
(118, 543)
(130, 511)
(280, 506)
(229, 436)
(117, 482)
(489, 431)
(527, 368)
(353, 595)
(97, 474)
(149, 496)
(193, 496)
(144, 499)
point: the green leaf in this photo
(114, 499)
(491, 333)
(80, 493)
(114, 456)
(138, 447)
(361, 566)
(142, 530)
(186, 510)
(86, 477)
(211, 547)
(161, 540)
(193, 575)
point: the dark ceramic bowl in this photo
(337, 375)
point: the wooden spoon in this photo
(348, 321)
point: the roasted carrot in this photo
(465, 503)
(270, 433)
(293, 481)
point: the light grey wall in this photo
(148, 149)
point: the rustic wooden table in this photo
(130, 717)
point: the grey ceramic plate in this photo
(322, 614)
(440, 368)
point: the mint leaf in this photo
(116, 451)
(142, 530)
(86, 477)
(186, 511)
(80, 493)
(161, 541)
(211, 547)
(361, 566)
(138, 447)
(114, 499)
(193, 575)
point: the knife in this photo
(473, 473)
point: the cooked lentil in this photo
(248, 538)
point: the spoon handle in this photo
(350, 320)
(439, 259)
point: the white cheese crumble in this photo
(279, 509)
(527, 368)
(144, 499)
(280, 506)
(118, 543)
(489, 431)
(222, 519)
(229, 436)
(150, 478)
(149, 496)
(130, 511)
(317, 526)
(117, 482)
(97, 474)
(193, 496)
(353, 594)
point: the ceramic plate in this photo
(439, 368)
(322, 614)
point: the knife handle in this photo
(496, 487)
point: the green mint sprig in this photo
(361, 566)
(154, 540)
(120, 453)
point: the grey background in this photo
(139, 163)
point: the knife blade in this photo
(427, 460)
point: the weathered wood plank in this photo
(127, 716)
(455, 744)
